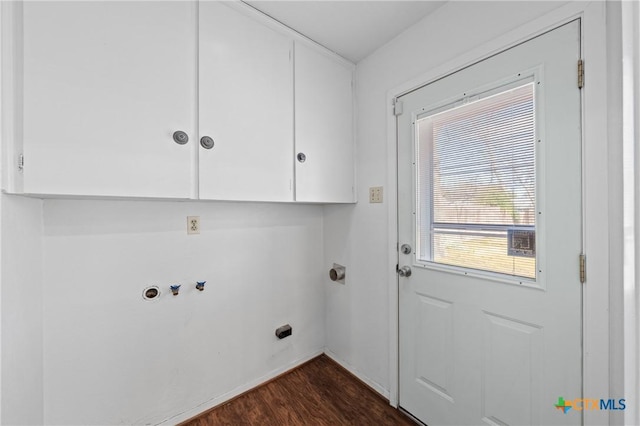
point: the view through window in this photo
(476, 191)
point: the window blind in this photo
(477, 181)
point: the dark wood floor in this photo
(319, 392)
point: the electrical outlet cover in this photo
(193, 225)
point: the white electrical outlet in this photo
(193, 225)
(375, 194)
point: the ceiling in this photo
(352, 29)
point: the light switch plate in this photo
(375, 194)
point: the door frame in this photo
(596, 174)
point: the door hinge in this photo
(580, 74)
(583, 268)
(397, 107)
(20, 162)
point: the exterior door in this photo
(490, 230)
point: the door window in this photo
(476, 191)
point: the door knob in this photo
(405, 271)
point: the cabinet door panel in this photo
(105, 85)
(324, 127)
(246, 106)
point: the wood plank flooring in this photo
(319, 392)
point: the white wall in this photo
(21, 294)
(357, 318)
(111, 357)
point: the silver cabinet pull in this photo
(180, 137)
(206, 142)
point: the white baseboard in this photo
(186, 415)
(373, 385)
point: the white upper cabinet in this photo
(246, 107)
(105, 85)
(324, 140)
(162, 99)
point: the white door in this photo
(489, 196)
(246, 107)
(105, 86)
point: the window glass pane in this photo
(476, 184)
(486, 252)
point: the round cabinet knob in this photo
(206, 142)
(180, 137)
(301, 157)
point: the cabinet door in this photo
(105, 86)
(324, 127)
(246, 107)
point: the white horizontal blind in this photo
(476, 182)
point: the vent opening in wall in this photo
(151, 293)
